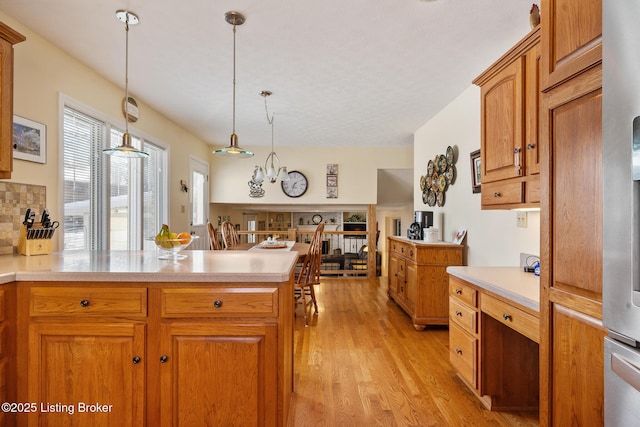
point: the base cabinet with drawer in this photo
(162, 354)
(418, 280)
(493, 345)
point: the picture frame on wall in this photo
(475, 172)
(29, 140)
(332, 180)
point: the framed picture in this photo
(332, 169)
(279, 217)
(332, 192)
(475, 171)
(332, 180)
(460, 236)
(29, 140)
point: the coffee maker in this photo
(421, 220)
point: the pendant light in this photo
(126, 149)
(270, 171)
(234, 150)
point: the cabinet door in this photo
(502, 123)
(75, 366)
(411, 286)
(532, 98)
(393, 276)
(571, 38)
(571, 254)
(6, 108)
(218, 374)
(578, 380)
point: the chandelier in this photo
(272, 170)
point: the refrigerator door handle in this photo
(625, 370)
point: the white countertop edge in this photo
(467, 274)
(145, 277)
(144, 266)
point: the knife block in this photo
(33, 245)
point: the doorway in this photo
(199, 202)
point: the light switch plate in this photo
(521, 219)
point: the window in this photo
(109, 202)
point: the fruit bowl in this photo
(170, 248)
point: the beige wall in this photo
(357, 175)
(43, 72)
(492, 236)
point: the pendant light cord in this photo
(234, 78)
(126, 75)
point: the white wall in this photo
(357, 174)
(42, 72)
(492, 236)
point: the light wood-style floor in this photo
(361, 363)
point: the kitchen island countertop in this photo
(509, 282)
(124, 266)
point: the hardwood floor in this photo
(361, 363)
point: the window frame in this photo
(146, 139)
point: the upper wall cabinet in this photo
(510, 102)
(572, 38)
(8, 37)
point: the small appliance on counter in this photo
(35, 237)
(422, 219)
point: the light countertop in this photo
(422, 242)
(124, 266)
(509, 282)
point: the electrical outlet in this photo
(521, 219)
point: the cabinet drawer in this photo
(502, 193)
(459, 290)
(463, 353)
(533, 190)
(406, 250)
(222, 302)
(88, 301)
(518, 320)
(463, 315)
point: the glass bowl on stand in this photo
(170, 248)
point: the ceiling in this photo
(343, 73)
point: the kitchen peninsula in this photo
(124, 338)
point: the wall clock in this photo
(296, 186)
(317, 219)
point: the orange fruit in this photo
(184, 237)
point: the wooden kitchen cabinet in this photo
(7, 351)
(8, 37)
(571, 254)
(165, 354)
(418, 281)
(493, 345)
(572, 333)
(571, 39)
(510, 95)
(86, 345)
(81, 363)
(235, 385)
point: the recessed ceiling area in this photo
(343, 73)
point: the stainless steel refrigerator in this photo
(621, 210)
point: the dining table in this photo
(301, 248)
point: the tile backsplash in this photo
(15, 199)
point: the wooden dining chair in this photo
(309, 274)
(230, 235)
(214, 242)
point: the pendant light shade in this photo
(126, 149)
(234, 150)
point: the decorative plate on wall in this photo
(440, 174)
